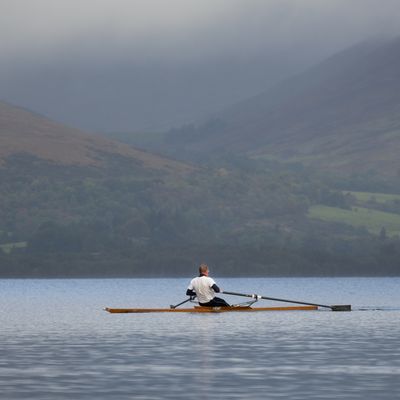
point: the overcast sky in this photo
(150, 64)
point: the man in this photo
(205, 288)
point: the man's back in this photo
(202, 285)
(205, 288)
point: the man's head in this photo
(203, 269)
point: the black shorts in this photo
(215, 302)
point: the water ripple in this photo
(57, 343)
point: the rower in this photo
(205, 288)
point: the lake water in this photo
(56, 342)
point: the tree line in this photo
(245, 217)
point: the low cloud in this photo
(184, 30)
(165, 62)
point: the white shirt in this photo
(202, 285)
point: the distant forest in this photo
(244, 217)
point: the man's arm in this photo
(190, 293)
(215, 288)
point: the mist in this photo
(151, 65)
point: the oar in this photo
(183, 302)
(255, 296)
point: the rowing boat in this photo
(242, 307)
(198, 309)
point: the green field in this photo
(372, 220)
(8, 247)
(366, 197)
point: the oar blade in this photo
(346, 307)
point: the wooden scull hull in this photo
(197, 309)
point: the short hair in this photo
(203, 268)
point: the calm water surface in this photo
(56, 342)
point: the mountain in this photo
(24, 132)
(342, 115)
(73, 204)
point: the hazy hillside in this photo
(23, 132)
(343, 114)
(73, 204)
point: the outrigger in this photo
(242, 307)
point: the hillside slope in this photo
(23, 132)
(342, 114)
(73, 204)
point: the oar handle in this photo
(255, 296)
(183, 302)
